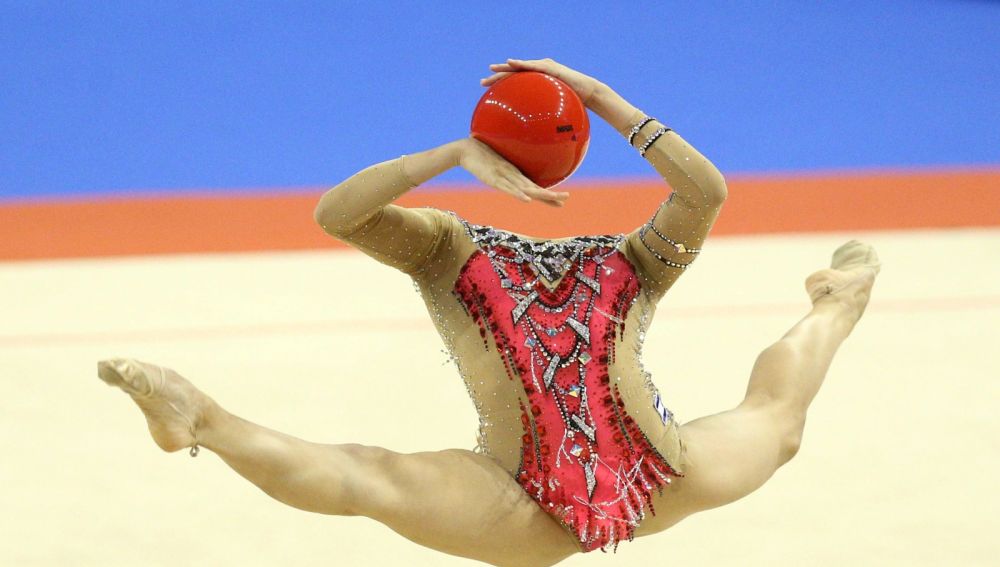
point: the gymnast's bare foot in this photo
(175, 410)
(849, 279)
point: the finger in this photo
(531, 64)
(495, 67)
(549, 202)
(517, 179)
(493, 78)
(520, 191)
(511, 176)
(537, 192)
(509, 188)
(552, 202)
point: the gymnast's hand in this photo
(492, 169)
(584, 86)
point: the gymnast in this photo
(577, 449)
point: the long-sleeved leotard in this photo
(547, 334)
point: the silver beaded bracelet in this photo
(658, 256)
(678, 246)
(638, 126)
(652, 138)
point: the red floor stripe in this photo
(193, 224)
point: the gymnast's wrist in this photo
(401, 162)
(418, 168)
(611, 107)
(461, 148)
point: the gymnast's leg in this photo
(731, 454)
(455, 501)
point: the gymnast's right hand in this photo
(492, 169)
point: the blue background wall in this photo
(135, 96)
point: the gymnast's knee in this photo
(791, 437)
(772, 381)
(368, 487)
(338, 480)
(783, 423)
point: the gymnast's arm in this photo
(360, 210)
(667, 244)
(664, 246)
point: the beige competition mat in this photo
(899, 465)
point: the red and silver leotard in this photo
(547, 335)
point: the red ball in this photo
(536, 122)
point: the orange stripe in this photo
(191, 224)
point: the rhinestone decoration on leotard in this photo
(554, 310)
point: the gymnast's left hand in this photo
(585, 86)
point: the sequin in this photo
(541, 407)
(602, 461)
(518, 288)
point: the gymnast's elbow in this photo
(330, 216)
(715, 191)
